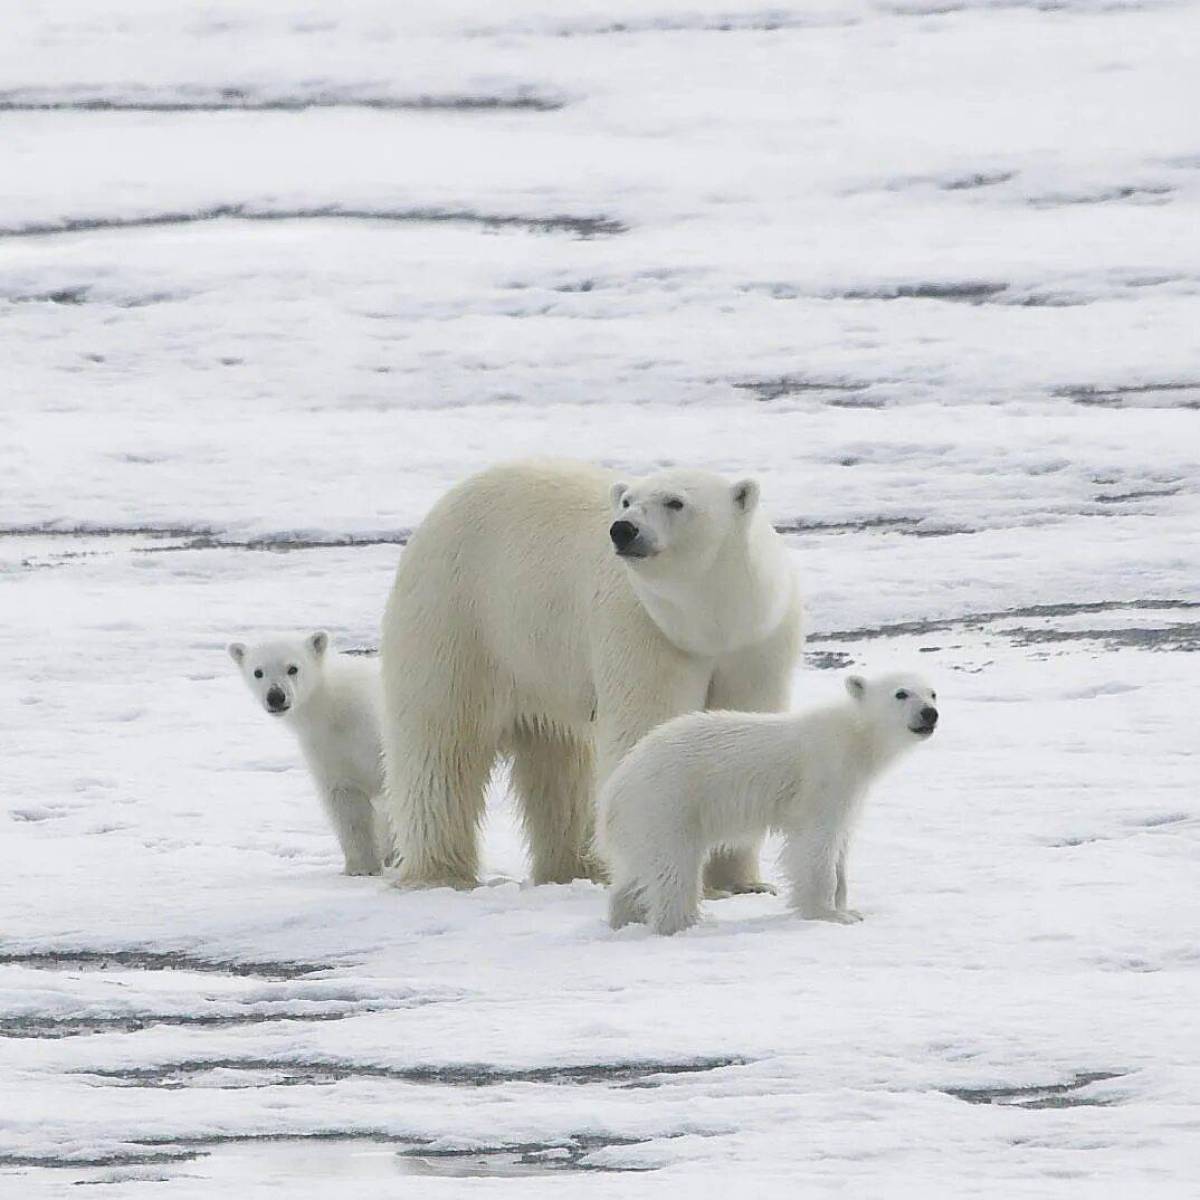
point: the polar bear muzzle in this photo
(927, 720)
(627, 540)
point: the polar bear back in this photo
(525, 539)
(714, 777)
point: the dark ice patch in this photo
(284, 1072)
(797, 385)
(202, 100)
(198, 538)
(828, 660)
(982, 620)
(155, 960)
(325, 1153)
(1137, 494)
(1144, 194)
(1170, 394)
(531, 1158)
(963, 292)
(911, 526)
(53, 1028)
(1180, 638)
(977, 179)
(583, 227)
(1054, 1095)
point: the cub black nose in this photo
(276, 698)
(929, 715)
(623, 533)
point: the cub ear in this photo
(745, 495)
(237, 651)
(856, 685)
(617, 493)
(318, 642)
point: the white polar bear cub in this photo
(331, 702)
(718, 778)
(550, 613)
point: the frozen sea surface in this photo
(273, 275)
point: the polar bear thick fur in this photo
(332, 703)
(708, 779)
(550, 612)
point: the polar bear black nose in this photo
(275, 698)
(929, 715)
(622, 533)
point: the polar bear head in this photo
(284, 672)
(679, 519)
(901, 708)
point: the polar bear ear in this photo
(237, 651)
(318, 642)
(745, 495)
(617, 493)
(856, 685)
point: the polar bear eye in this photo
(258, 672)
(933, 695)
(673, 504)
(901, 695)
(293, 670)
(624, 503)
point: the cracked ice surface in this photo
(273, 275)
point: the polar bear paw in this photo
(834, 915)
(754, 887)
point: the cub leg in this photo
(811, 861)
(839, 894)
(625, 904)
(673, 892)
(352, 816)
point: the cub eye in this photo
(624, 503)
(674, 505)
(293, 670)
(258, 672)
(901, 695)
(933, 695)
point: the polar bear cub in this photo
(332, 703)
(725, 778)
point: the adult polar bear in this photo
(547, 611)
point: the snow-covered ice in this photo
(273, 275)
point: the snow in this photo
(272, 276)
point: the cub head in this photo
(902, 707)
(678, 516)
(281, 673)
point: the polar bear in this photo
(708, 779)
(331, 702)
(550, 612)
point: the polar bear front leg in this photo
(629, 705)
(734, 871)
(552, 776)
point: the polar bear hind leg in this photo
(552, 776)
(626, 905)
(438, 758)
(673, 893)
